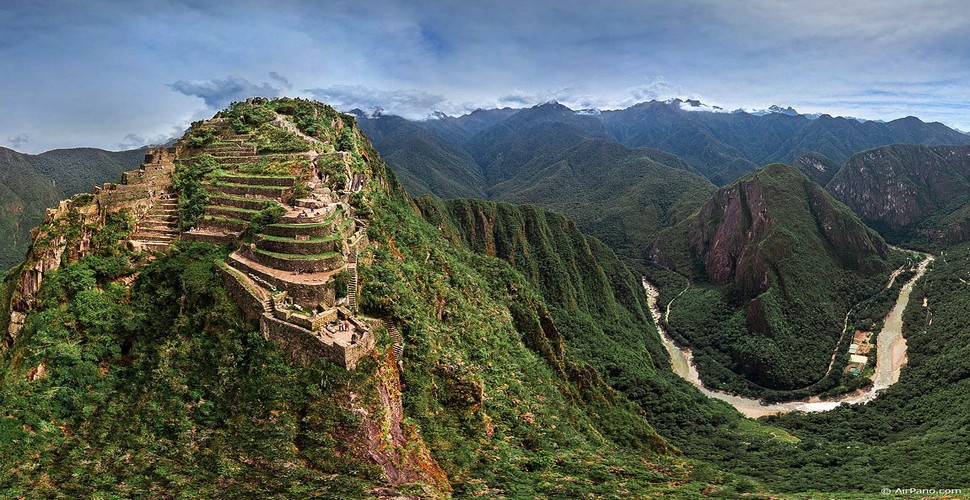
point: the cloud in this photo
(282, 80)
(218, 93)
(414, 104)
(21, 141)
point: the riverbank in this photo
(891, 348)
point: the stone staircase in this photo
(156, 230)
(352, 286)
(398, 342)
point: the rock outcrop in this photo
(895, 189)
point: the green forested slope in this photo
(164, 389)
(29, 184)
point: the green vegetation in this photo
(200, 134)
(301, 190)
(247, 116)
(30, 184)
(341, 281)
(914, 434)
(265, 217)
(914, 195)
(193, 196)
(851, 452)
(271, 139)
(775, 265)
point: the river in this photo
(891, 356)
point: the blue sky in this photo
(121, 74)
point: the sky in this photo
(118, 75)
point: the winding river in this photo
(891, 356)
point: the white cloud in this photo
(218, 93)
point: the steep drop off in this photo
(29, 184)
(136, 371)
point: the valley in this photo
(269, 271)
(891, 358)
(545, 250)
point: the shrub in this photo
(341, 281)
(193, 197)
(265, 217)
(301, 190)
(270, 139)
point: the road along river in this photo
(890, 345)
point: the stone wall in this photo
(49, 248)
(307, 295)
(248, 204)
(326, 264)
(309, 230)
(259, 180)
(304, 346)
(265, 192)
(304, 247)
(248, 300)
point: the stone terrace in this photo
(283, 275)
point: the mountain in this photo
(623, 196)
(721, 146)
(909, 192)
(426, 163)
(724, 146)
(311, 334)
(29, 184)
(549, 156)
(774, 264)
(500, 150)
(459, 129)
(817, 167)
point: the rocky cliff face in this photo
(725, 232)
(896, 188)
(817, 167)
(746, 229)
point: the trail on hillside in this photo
(891, 349)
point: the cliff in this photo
(761, 253)
(905, 189)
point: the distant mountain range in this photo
(623, 175)
(721, 146)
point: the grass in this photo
(247, 186)
(292, 240)
(259, 176)
(291, 256)
(223, 219)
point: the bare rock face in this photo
(724, 232)
(744, 233)
(895, 188)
